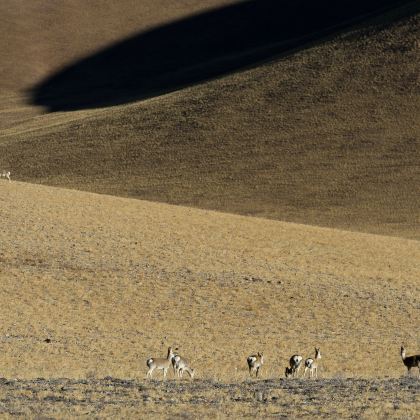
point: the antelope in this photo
(312, 365)
(174, 357)
(255, 362)
(5, 174)
(295, 365)
(180, 365)
(160, 363)
(410, 361)
(288, 372)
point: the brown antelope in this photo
(180, 365)
(288, 372)
(160, 363)
(295, 363)
(312, 365)
(5, 174)
(255, 362)
(410, 361)
(173, 358)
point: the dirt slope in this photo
(39, 37)
(111, 281)
(327, 136)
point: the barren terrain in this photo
(93, 285)
(110, 397)
(326, 134)
(177, 183)
(128, 273)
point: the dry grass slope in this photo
(93, 284)
(112, 281)
(40, 37)
(326, 136)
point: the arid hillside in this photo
(221, 176)
(40, 37)
(112, 281)
(326, 134)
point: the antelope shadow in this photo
(196, 49)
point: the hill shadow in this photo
(195, 49)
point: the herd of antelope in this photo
(179, 365)
(255, 363)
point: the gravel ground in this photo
(346, 398)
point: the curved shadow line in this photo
(196, 49)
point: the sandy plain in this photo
(112, 281)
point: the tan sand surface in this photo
(112, 281)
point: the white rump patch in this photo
(5, 174)
(308, 362)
